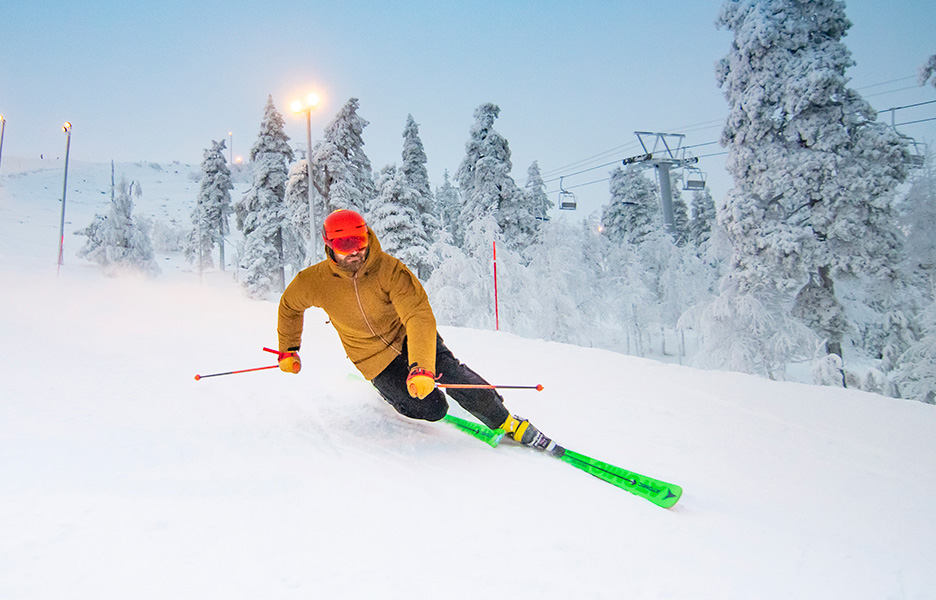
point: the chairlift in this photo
(917, 157)
(566, 198)
(694, 179)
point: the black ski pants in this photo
(486, 405)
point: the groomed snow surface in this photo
(123, 477)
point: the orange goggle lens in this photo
(347, 245)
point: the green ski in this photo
(491, 437)
(656, 491)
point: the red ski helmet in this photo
(344, 231)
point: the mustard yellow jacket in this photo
(372, 310)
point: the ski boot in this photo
(522, 431)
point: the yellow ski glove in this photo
(289, 362)
(420, 382)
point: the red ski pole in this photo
(200, 377)
(473, 386)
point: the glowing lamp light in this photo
(66, 127)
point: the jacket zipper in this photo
(357, 296)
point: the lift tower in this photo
(665, 152)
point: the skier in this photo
(387, 328)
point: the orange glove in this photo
(289, 362)
(420, 382)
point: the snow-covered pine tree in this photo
(535, 191)
(633, 212)
(117, 241)
(210, 216)
(342, 172)
(448, 205)
(262, 212)
(813, 169)
(486, 185)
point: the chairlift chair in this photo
(566, 198)
(694, 179)
(917, 157)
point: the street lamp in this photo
(2, 130)
(67, 129)
(307, 107)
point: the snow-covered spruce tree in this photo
(299, 217)
(627, 312)
(813, 169)
(633, 212)
(448, 205)
(702, 217)
(116, 241)
(680, 212)
(262, 212)
(461, 287)
(747, 328)
(562, 284)
(675, 278)
(210, 216)
(535, 191)
(928, 71)
(397, 223)
(417, 194)
(918, 220)
(486, 185)
(341, 171)
(915, 376)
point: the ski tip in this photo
(672, 496)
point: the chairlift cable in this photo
(553, 173)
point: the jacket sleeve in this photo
(293, 303)
(412, 306)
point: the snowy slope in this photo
(123, 477)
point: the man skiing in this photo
(386, 325)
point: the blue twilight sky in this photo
(573, 79)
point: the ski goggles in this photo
(347, 245)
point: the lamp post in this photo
(2, 130)
(231, 148)
(67, 129)
(298, 106)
